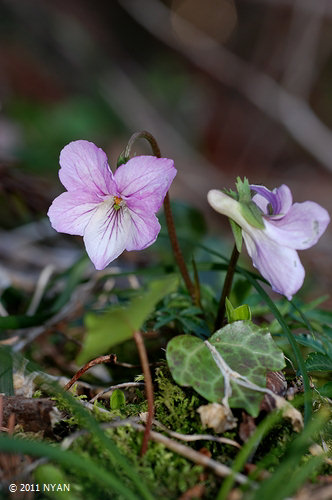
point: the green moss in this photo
(167, 474)
(175, 407)
(272, 448)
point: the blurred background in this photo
(228, 88)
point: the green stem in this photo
(226, 289)
(125, 155)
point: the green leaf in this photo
(245, 347)
(231, 193)
(12, 322)
(237, 233)
(252, 278)
(243, 188)
(239, 313)
(318, 362)
(326, 339)
(326, 390)
(298, 355)
(119, 323)
(69, 460)
(249, 209)
(6, 371)
(117, 399)
(308, 341)
(122, 160)
(252, 214)
(320, 315)
(49, 474)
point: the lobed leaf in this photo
(245, 347)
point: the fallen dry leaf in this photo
(288, 411)
(316, 450)
(276, 382)
(314, 492)
(217, 417)
(196, 491)
(247, 427)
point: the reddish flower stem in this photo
(109, 358)
(168, 215)
(148, 388)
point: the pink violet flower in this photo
(113, 213)
(287, 227)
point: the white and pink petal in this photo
(145, 229)
(279, 265)
(145, 178)
(301, 227)
(71, 211)
(284, 199)
(85, 166)
(107, 234)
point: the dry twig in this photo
(112, 388)
(195, 437)
(148, 388)
(217, 468)
(109, 358)
(42, 282)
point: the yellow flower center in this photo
(117, 202)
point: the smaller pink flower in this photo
(286, 228)
(113, 213)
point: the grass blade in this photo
(246, 451)
(67, 459)
(92, 425)
(6, 371)
(292, 341)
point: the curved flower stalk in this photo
(276, 230)
(113, 213)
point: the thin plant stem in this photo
(226, 289)
(168, 214)
(148, 388)
(109, 358)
